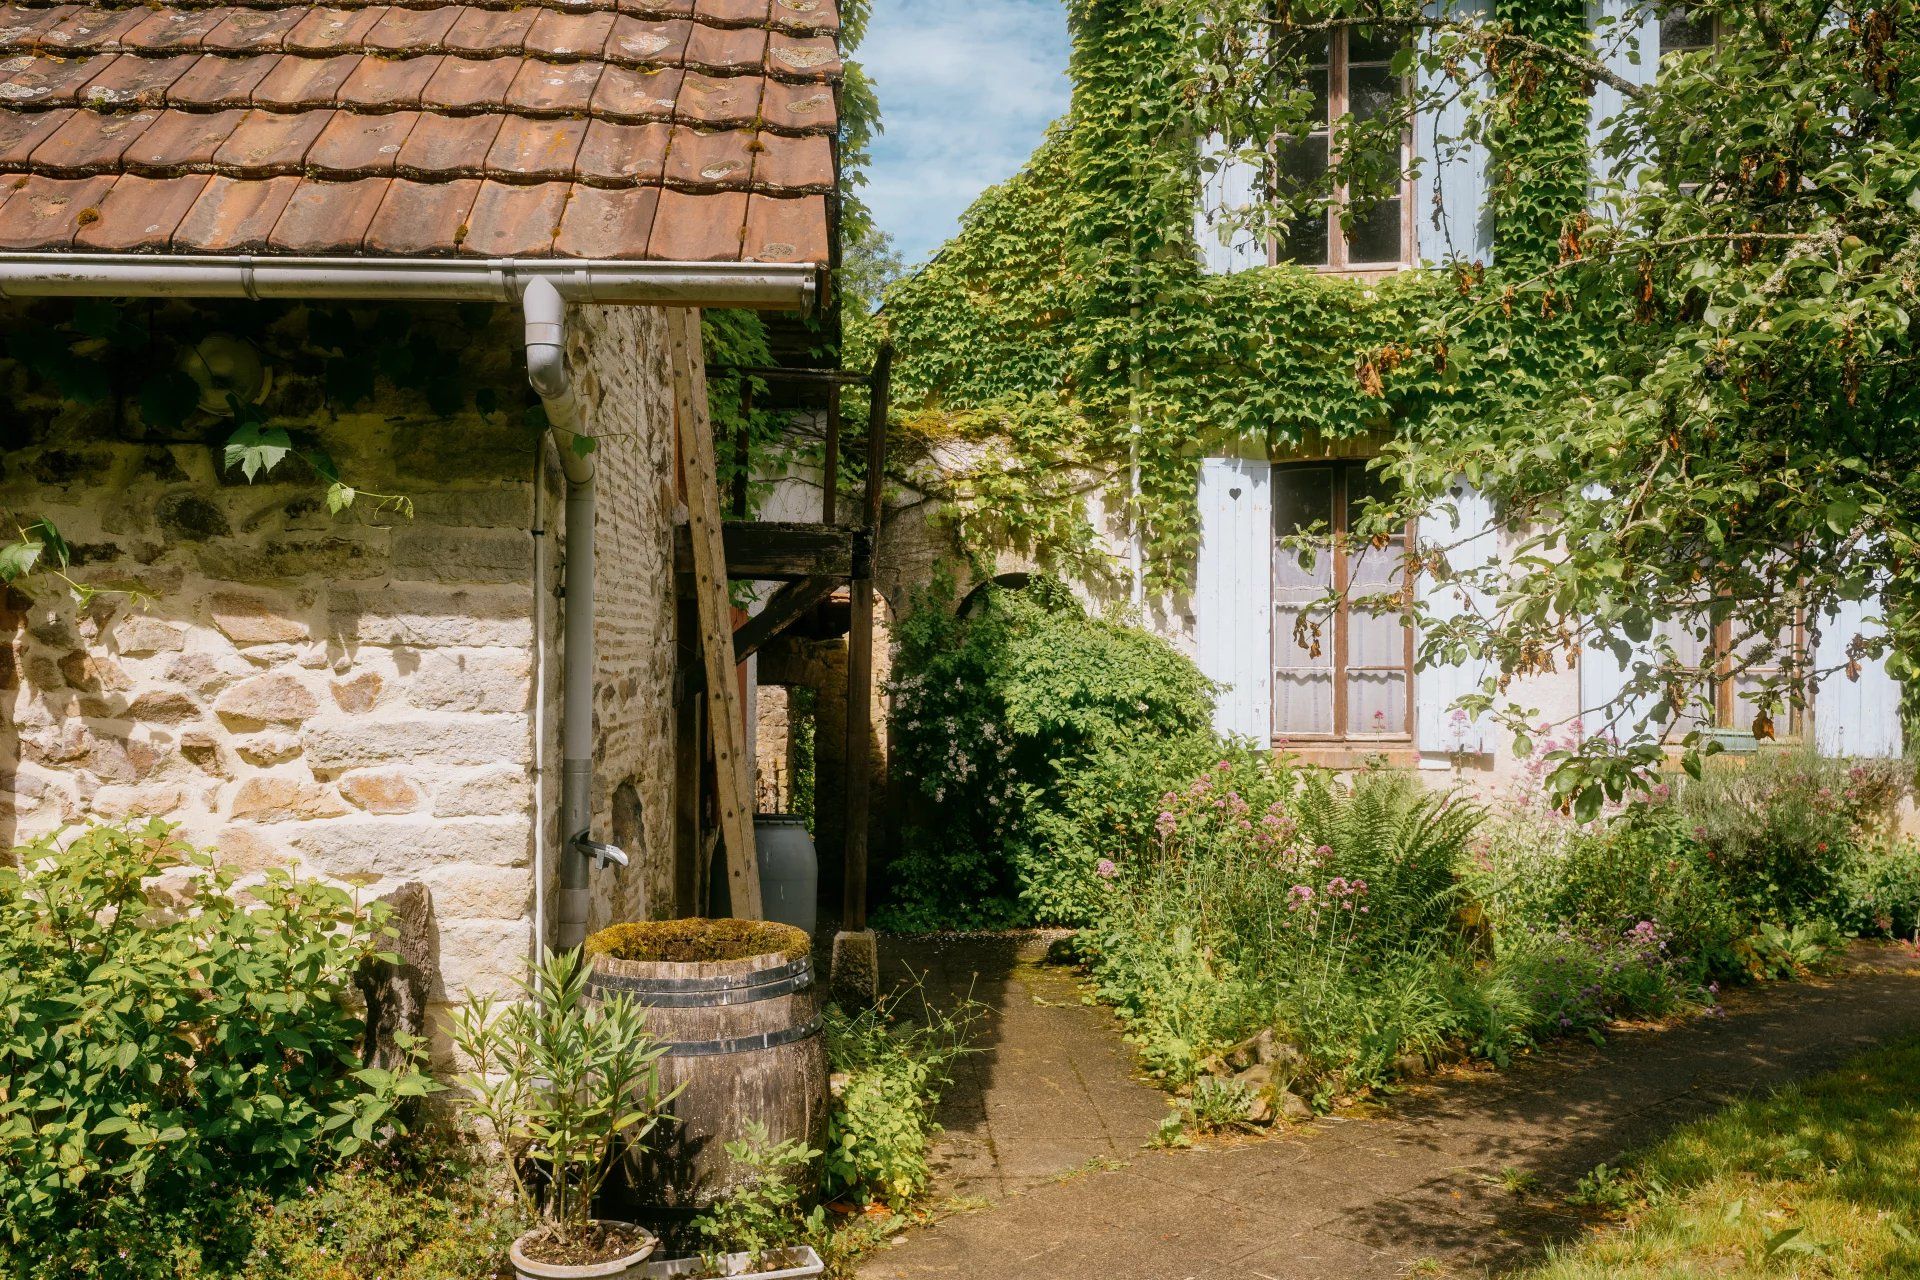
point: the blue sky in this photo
(966, 91)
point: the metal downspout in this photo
(546, 313)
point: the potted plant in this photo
(564, 1081)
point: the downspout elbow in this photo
(545, 312)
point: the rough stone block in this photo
(482, 958)
(402, 847)
(383, 791)
(277, 698)
(430, 554)
(245, 618)
(153, 800)
(289, 558)
(281, 799)
(496, 681)
(466, 892)
(164, 706)
(249, 850)
(141, 635)
(429, 617)
(465, 740)
(492, 793)
(358, 693)
(85, 671)
(268, 748)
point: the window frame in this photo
(1342, 734)
(1726, 697)
(1339, 99)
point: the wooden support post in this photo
(860, 659)
(783, 608)
(830, 470)
(689, 766)
(741, 439)
(715, 610)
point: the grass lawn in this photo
(1820, 1180)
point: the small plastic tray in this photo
(799, 1263)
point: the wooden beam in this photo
(853, 913)
(783, 608)
(695, 430)
(773, 550)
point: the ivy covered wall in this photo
(1070, 320)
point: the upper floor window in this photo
(1683, 30)
(1348, 676)
(1352, 73)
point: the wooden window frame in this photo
(1726, 697)
(1339, 97)
(1343, 734)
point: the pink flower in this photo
(1105, 869)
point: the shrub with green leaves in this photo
(995, 715)
(1880, 892)
(163, 1048)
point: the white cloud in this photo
(966, 93)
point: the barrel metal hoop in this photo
(745, 1044)
(702, 993)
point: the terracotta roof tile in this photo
(554, 88)
(384, 84)
(422, 218)
(268, 142)
(89, 141)
(469, 83)
(139, 214)
(361, 146)
(569, 35)
(182, 140)
(709, 161)
(804, 15)
(253, 30)
(334, 30)
(715, 102)
(232, 215)
(91, 30)
(637, 41)
(136, 82)
(328, 217)
(404, 31)
(732, 13)
(490, 32)
(799, 108)
(22, 131)
(41, 81)
(785, 164)
(607, 224)
(697, 228)
(604, 128)
(803, 57)
(215, 81)
(448, 144)
(295, 83)
(509, 220)
(622, 154)
(530, 148)
(178, 30)
(726, 48)
(789, 229)
(625, 94)
(46, 213)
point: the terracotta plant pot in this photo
(625, 1267)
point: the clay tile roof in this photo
(688, 130)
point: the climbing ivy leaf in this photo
(256, 449)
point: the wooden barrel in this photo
(739, 1008)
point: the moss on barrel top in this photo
(695, 940)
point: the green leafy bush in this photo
(1780, 828)
(766, 1209)
(164, 1046)
(994, 715)
(1880, 892)
(889, 1074)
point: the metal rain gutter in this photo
(765, 286)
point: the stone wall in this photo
(347, 694)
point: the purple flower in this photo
(1105, 869)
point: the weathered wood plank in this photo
(860, 658)
(785, 607)
(776, 550)
(715, 610)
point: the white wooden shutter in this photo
(1233, 592)
(1232, 188)
(1460, 225)
(1855, 717)
(1632, 53)
(1469, 537)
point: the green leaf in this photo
(256, 449)
(339, 497)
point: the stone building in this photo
(379, 694)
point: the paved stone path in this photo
(1412, 1189)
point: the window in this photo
(1354, 74)
(1354, 679)
(1682, 30)
(1732, 692)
